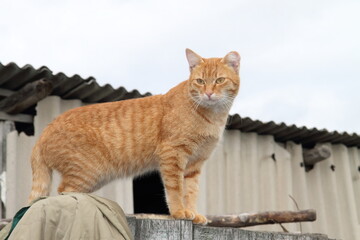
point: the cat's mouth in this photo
(206, 101)
(210, 101)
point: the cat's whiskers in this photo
(229, 102)
(226, 101)
(196, 102)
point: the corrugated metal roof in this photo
(308, 137)
(13, 77)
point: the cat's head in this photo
(213, 82)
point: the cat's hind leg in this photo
(76, 182)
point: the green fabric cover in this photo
(16, 219)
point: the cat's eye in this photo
(200, 81)
(220, 80)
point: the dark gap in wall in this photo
(149, 195)
(27, 128)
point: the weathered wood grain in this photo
(167, 228)
(163, 229)
(215, 233)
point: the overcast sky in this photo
(300, 59)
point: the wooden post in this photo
(317, 154)
(27, 96)
(152, 226)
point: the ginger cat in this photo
(173, 133)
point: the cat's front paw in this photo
(184, 214)
(200, 219)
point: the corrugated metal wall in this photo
(247, 173)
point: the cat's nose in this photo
(209, 94)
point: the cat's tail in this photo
(42, 175)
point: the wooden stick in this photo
(317, 154)
(27, 96)
(248, 219)
(252, 219)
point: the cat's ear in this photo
(193, 59)
(232, 59)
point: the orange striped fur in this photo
(173, 133)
